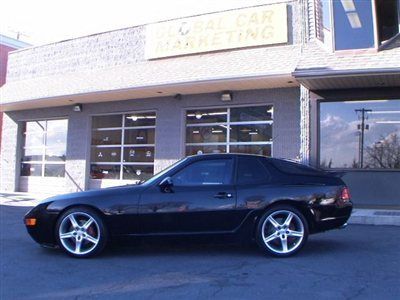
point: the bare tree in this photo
(385, 154)
(325, 165)
(355, 164)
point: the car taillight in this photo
(345, 196)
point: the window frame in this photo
(122, 145)
(228, 123)
(377, 44)
(383, 44)
(43, 162)
(318, 133)
(374, 27)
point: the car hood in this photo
(96, 193)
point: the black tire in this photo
(86, 238)
(266, 231)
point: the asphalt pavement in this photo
(359, 262)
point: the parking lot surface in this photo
(359, 262)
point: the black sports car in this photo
(276, 202)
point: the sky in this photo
(46, 21)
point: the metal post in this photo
(363, 112)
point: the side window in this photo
(252, 171)
(205, 172)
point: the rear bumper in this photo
(328, 217)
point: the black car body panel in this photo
(231, 208)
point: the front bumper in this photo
(43, 231)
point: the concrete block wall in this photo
(170, 131)
(98, 51)
(108, 50)
(9, 170)
(373, 187)
(115, 61)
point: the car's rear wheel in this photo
(282, 231)
(81, 232)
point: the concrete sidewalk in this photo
(20, 199)
(359, 216)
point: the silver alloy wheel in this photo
(79, 233)
(282, 231)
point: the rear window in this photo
(295, 168)
(251, 171)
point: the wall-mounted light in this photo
(133, 118)
(178, 97)
(198, 115)
(77, 107)
(226, 96)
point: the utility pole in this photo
(363, 113)
(18, 33)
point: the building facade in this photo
(311, 80)
(7, 44)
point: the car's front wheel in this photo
(81, 232)
(282, 231)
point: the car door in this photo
(202, 198)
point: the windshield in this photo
(160, 174)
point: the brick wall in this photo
(3, 62)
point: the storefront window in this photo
(230, 130)
(123, 146)
(360, 134)
(44, 148)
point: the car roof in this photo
(225, 155)
(270, 159)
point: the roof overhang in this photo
(328, 79)
(12, 43)
(212, 85)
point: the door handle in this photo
(223, 195)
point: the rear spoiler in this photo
(338, 174)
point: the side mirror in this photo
(166, 185)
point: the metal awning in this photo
(327, 79)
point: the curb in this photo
(375, 217)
